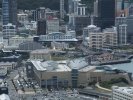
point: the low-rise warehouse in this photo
(74, 73)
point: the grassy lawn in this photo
(103, 91)
(117, 82)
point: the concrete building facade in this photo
(82, 9)
(39, 13)
(41, 54)
(120, 20)
(58, 37)
(122, 93)
(110, 37)
(96, 40)
(9, 12)
(62, 9)
(23, 18)
(41, 27)
(59, 46)
(55, 74)
(9, 30)
(122, 35)
(15, 41)
(52, 25)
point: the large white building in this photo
(122, 36)
(122, 93)
(58, 37)
(120, 20)
(9, 30)
(73, 73)
(96, 40)
(16, 40)
(93, 36)
(110, 37)
(52, 25)
(90, 29)
(31, 25)
(23, 18)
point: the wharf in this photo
(114, 62)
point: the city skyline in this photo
(66, 50)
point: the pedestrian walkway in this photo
(16, 77)
(105, 89)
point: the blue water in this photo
(126, 66)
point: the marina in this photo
(125, 66)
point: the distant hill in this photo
(32, 4)
(52, 4)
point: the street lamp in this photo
(41, 77)
(46, 84)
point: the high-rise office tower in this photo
(9, 31)
(129, 22)
(106, 13)
(81, 9)
(73, 6)
(39, 13)
(70, 6)
(13, 12)
(41, 27)
(121, 7)
(52, 25)
(62, 9)
(130, 13)
(96, 8)
(9, 12)
(5, 12)
(122, 34)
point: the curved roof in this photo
(77, 63)
(91, 26)
(51, 66)
(4, 97)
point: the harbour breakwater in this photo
(115, 62)
(112, 62)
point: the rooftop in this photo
(50, 66)
(41, 51)
(56, 33)
(4, 97)
(125, 90)
(3, 71)
(64, 65)
(88, 68)
(21, 37)
(11, 57)
(77, 63)
(91, 26)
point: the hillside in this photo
(53, 4)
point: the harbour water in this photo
(126, 66)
